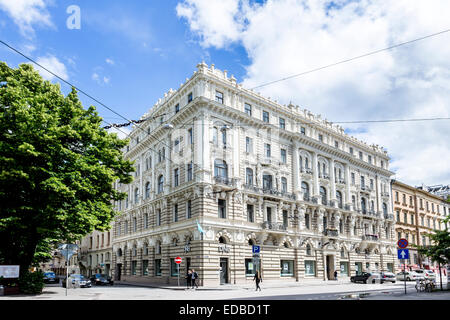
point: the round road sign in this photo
(402, 243)
(178, 260)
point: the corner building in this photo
(251, 172)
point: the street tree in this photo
(57, 168)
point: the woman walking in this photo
(188, 279)
(257, 279)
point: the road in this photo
(345, 291)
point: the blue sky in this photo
(149, 48)
(128, 53)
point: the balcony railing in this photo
(276, 226)
(370, 237)
(224, 180)
(270, 191)
(331, 233)
(389, 216)
(306, 170)
(340, 181)
(385, 194)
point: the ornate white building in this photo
(250, 171)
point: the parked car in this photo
(426, 274)
(78, 280)
(101, 280)
(50, 277)
(387, 277)
(366, 277)
(409, 275)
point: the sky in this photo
(127, 54)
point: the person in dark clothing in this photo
(257, 279)
(335, 275)
(189, 278)
(194, 279)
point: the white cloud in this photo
(100, 79)
(54, 65)
(110, 61)
(287, 37)
(122, 133)
(26, 13)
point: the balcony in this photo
(270, 191)
(251, 187)
(332, 233)
(276, 226)
(370, 237)
(389, 216)
(324, 176)
(384, 194)
(340, 181)
(306, 170)
(224, 180)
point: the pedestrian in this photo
(257, 279)
(335, 275)
(188, 279)
(194, 279)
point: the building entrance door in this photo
(223, 270)
(330, 267)
(119, 271)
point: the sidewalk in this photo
(249, 286)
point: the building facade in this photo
(95, 253)
(248, 171)
(418, 213)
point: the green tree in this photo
(439, 250)
(57, 168)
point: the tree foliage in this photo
(439, 251)
(57, 167)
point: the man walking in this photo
(257, 279)
(335, 275)
(188, 279)
(194, 279)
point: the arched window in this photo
(224, 138)
(119, 252)
(343, 253)
(249, 176)
(323, 195)
(308, 250)
(305, 191)
(147, 190)
(372, 206)
(163, 153)
(301, 163)
(136, 196)
(251, 242)
(222, 240)
(385, 208)
(363, 205)
(160, 184)
(158, 247)
(220, 168)
(339, 198)
(283, 184)
(146, 221)
(306, 163)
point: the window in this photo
(145, 221)
(175, 177)
(320, 138)
(371, 184)
(283, 184)
(382, 165)
(147, 190)
(145, 267)
(224, 138)
(369, 159)
(405, 217)
(220, 168)
(404, 199)
(265, 116)
(283, 156)
(267, 150)
(249, 176)
(136, 196)
(189, 172)
(399, 235)
(310, 268)
(412, 219)
(248, 145)
(250, 215)
(282, 123)
(133, 267)
(303, 130)
(323, 195)
(353, 178)
(363, 205)
(157, 267)
(189, 97)
(175, 212)
(336, 144)
(222, 208)
(351, 150)
(421, 221)
(267, 182)
(189, 209)
(360, 155)
(158, 217)
(339, 198)
(177, 108)
(307, 221)
(305, 191)
(160, 184)
(219, 97)
(362, 182)
(248, 109)
(287, 268)
(250, 267)
(148, 163)
(191, 136)
(215, 136)
(285, 218)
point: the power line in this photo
(351, 59)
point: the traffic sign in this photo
(402, 243)
(256, 249)
(178, 260)
(403, 254)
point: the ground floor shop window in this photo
(344, 269)
(157, 267)
(390, 267)
(310, 268)
(133, 267)
(287, 268)
(358, 267)
(173, 268)
(145, 267)
(250, 267)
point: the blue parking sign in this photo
(256, 249)
(403, 254)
